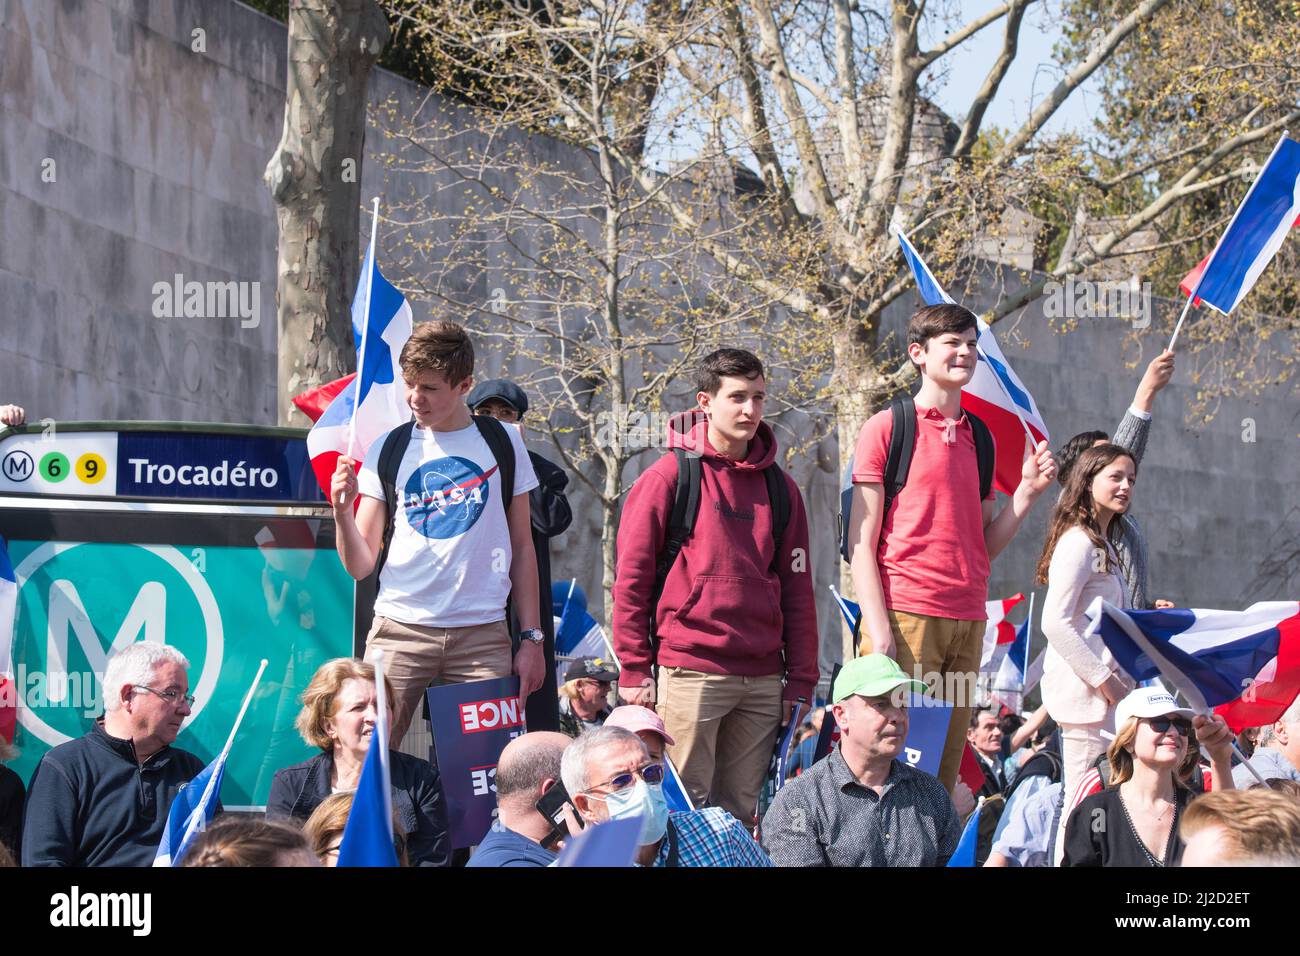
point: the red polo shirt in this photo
(931, 554)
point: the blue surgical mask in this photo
(642, 800)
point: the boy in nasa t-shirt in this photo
(456, 552)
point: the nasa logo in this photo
(480, 715)
(444, 498)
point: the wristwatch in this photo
(534, 635)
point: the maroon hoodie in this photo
(723, 610)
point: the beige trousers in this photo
(945, 653)
(724, 728)
(415, 656)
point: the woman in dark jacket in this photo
(338, 716)
(1134, 821)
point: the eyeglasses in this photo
(1162, 725)
(651, 773)
(173, 697)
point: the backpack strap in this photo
(681, 522)
(902, 443)
(390, 459)
(503, 450)
(985, 453)
(778, 495)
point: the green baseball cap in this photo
(872, 675)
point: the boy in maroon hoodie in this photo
(735, 629)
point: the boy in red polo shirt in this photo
(921, 570)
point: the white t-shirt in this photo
(449, 561)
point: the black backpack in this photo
(902, 443)
(686, 505)
(390, 459)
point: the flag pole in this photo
(197, 819)
(1191, 298)
(369, 266)
(1210, 261)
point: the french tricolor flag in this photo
(999, 633)
(1255, 234)
(8, 614)
(995, 393)
(1245, 665)
(381, 324)
(1009, 680)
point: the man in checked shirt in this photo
(861, 806)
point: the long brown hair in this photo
(1075, 507)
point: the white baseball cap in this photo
(1153, 701)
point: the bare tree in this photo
(314, 178)
(566, 259)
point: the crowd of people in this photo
(714, 628)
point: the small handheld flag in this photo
(368, 835)
(1254, 235)
(195, 805)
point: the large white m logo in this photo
(148, 612)
(146, 619)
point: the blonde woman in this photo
(338, 716)
(1134, 822)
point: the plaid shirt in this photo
(708, 837)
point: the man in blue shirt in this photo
(529, 766)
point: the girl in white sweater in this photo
(1082, 683)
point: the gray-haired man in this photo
(1277, 754)
(102, 800)
(610, 774)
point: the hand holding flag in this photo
(1039, 467)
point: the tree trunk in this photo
(314, 178)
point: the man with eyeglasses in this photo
(102, 799)
(610, 775)
(860, 805)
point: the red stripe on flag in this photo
(8, 709)
(969, 771)
(1269, 700)
(1008, 440)
(314, 401)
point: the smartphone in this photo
(552, 806)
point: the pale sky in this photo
(1032, 75)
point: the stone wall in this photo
(158, 153)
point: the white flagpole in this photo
(195, 822)
(1210, 261)
(381, 740)
(369, 266)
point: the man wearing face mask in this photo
(610, 776)
(860, 805)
